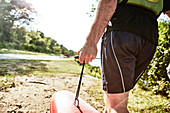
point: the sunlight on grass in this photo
(141, 101)
(39, 67)
(61, 66)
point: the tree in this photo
(13, 13)
(155, 77)
(93, 8)
(63, 49)
(71, 52)
(21, 12)
(41, 34)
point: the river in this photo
(95, 62)
(32, 57)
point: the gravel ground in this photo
(32, 94)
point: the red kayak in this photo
(63, 102)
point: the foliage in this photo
(155, 77)
(6, 82)
(95, 71)
(34, 41)
(14, 14)
(93, 8)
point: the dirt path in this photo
(32, 94)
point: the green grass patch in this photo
(39, 67)
(61, 66)
(9, 68)
(140, 101)
(20, 67)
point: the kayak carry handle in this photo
(76, 102)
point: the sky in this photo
(66, 21)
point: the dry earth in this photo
(32, 94)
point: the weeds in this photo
(7, 82)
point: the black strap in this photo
(76, 101)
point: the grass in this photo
(61, 66)
(9, 68)
(140, 101)
(35, 67)
(97, 93)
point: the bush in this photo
(155, 77)
(95, 71)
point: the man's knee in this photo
(116, 102)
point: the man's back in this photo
(138, 20)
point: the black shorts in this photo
(124, 57)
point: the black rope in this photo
(79, 84)
(76, 101)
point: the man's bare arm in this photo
(105, 10)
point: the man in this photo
(127, 47)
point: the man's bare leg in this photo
(116, 103)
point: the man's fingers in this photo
(81, 58)
(84, 57)
(79, 52)
(93, 57)
(87, 59)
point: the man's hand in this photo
(87, 53)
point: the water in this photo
(32, 57)
(96, 62)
